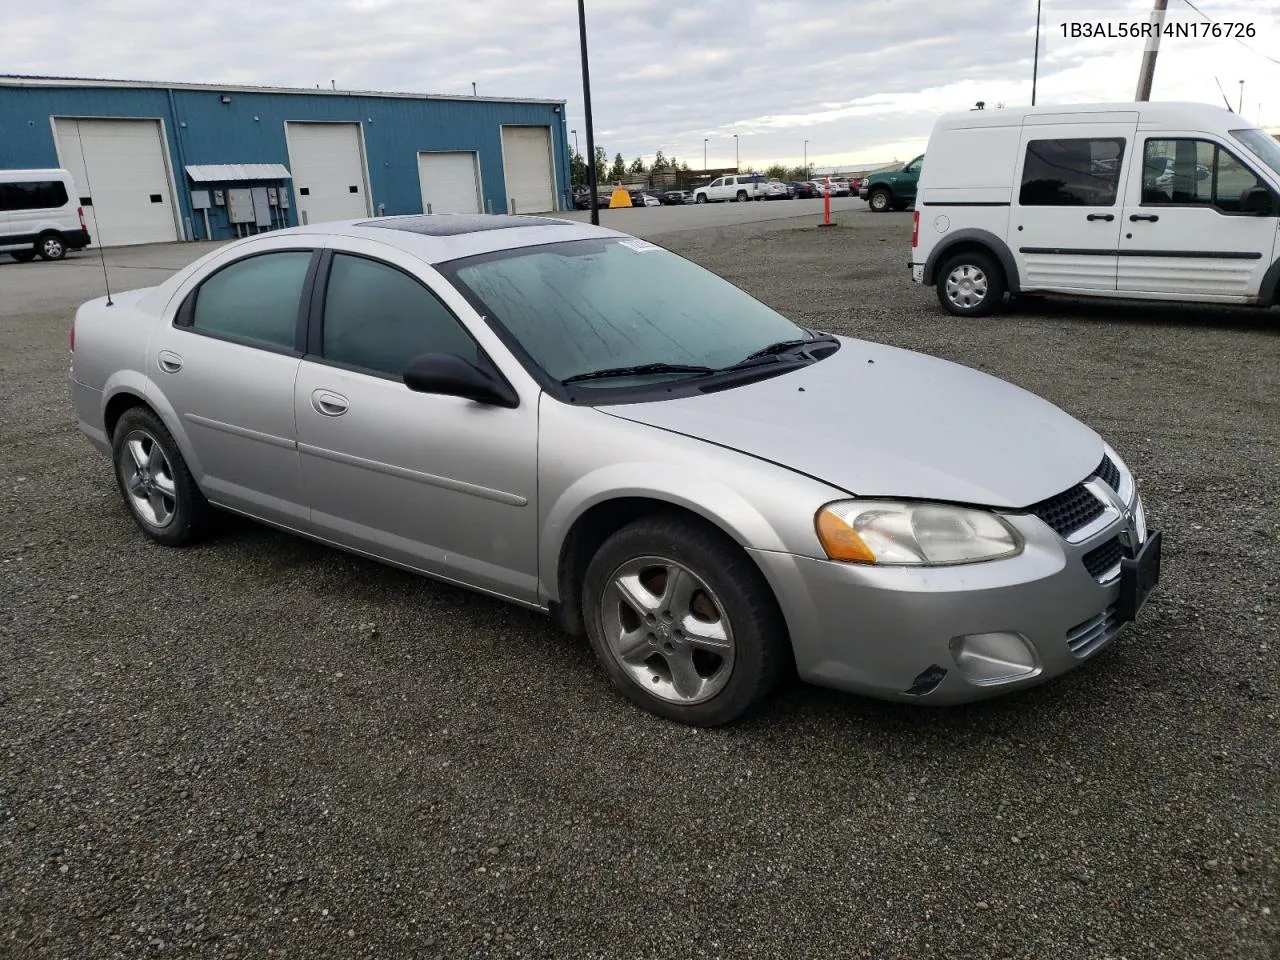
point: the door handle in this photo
(1135, 217)
(328, 404)
(1101, 216)
(168, 361)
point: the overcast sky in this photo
(861, 80)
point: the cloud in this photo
(861, 81)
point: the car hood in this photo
(879, 421)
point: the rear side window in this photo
(33, 195)
(1185, 171)
(1071, 173)
(254, 300)
(378, 318)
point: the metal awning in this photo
(225, 172)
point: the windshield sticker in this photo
(639, 246)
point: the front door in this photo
(1065, 220)
(226, 366)
(1188, 230)
(437, 483)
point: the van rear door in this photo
(1065, 226)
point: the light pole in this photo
(1035, 60)
(575, 142)
(737, 164)
(704, 154)
(806, 159)
(592, 198)
(1240, 109)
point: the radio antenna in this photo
(102, 254)
(1224, 93)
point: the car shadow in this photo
(1162, 314)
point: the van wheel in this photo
(51, 247)
(879, 201)
(970, 285)
(23, 256)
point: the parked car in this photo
(1100, 204)
(40, 215)
(805, 189)
(892, 190)
(585, 424)
(676, 197)
(640, 198)
(772, 189)
(738, 188)
(582, 199)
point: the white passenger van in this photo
(40, 214)
(1152, 201)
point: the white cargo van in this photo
(40, 214)
(1153, 201)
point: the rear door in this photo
(1186, 233)
(1065, 222)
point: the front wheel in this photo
(970, 285)
(879, 201)
(683, 622)
(51, 247)
(701, 198)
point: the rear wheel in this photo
(51, 247)
(970, 285)
(23, 256)
(154, 480)
(742, 196)
(879, 200)
(683, 622)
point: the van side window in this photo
(1183, 171)
(1072, 173)
(33, 195)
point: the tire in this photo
(879, 200)
(154, 482)
(51, 246)
(726, 665)
(701, 198)
(23, 256)
(970, 284)
(742, 196)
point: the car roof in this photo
(439, 237)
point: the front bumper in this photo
(890, 632)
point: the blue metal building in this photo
(156, 162)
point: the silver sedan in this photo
(586, 424)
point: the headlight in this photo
(895, 533)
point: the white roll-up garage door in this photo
(327, 163)
(526, 165)
(122, 167)
(450, 182)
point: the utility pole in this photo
(1240, 108)
(593, 199)
(738, 163)
(1148, 71)
(1035, 60)
(806, 159)
(704, 152)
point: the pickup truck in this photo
(892, 191)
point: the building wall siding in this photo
(201, 129)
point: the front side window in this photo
(1263, 144)
(914, 165)
(589, 305)
(1071, 173)
(1184, 171)
(718, 183)
(254, 300)
(379, 318)
(33, 195)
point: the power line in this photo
(1236, 39)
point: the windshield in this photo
(599, 304)
(1263, 144)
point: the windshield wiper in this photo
(638, 371)
(782, 346)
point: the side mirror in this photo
(1258, 201)
(450, 375)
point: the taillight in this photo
(915, 229)
(83, 225)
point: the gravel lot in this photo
(262, 747)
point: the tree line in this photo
(607, 172)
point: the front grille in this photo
(1069, 511)
(1084, 638)
(1109, 473)
(1101, 559)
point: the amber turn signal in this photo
(840, 540)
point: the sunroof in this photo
(455, 224)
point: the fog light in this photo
(987, 658)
